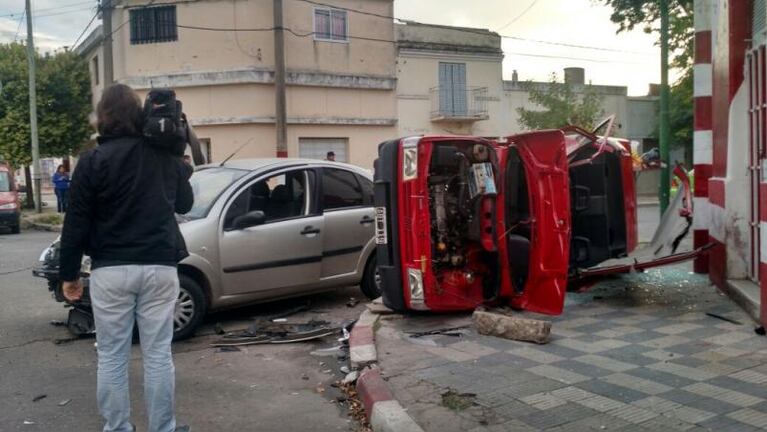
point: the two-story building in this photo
(220, 57)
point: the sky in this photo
(627, 59)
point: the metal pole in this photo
(106, 19)
(665, 133)
(280, 111)
(36, 174)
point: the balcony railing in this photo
(457, 104)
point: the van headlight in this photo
(9, 206)
(415, 285)
(410, 158)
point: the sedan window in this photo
(283, 196)
(207, 185)
(340, 189)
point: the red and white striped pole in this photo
(702, 135)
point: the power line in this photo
(18, 28)
(316, 3)
(575, 45)
(93, 18)
(518, 16)
(48, 9)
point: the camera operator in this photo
(123, 197)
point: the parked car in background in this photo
(10, 205)
(261, 230)
(464, 221)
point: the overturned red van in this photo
(464, 221)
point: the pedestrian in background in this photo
(330, 156)
(122, 202)
(61, 181)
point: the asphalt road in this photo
(264, 387)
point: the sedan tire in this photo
(371, 281)
(190, 308)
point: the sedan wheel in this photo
(184, 312)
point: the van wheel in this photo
(190, 308)
(371, 281)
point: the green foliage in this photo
(562, 106)
(63, 104)
(680, 111)
(631, 13)
(646, 13)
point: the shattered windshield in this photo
(5, 182)
(207, 185)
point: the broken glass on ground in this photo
(265, 332)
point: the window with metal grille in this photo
(152, 25)
(759, 23)
(330, 24)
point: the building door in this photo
(452, 88)
(757, 109)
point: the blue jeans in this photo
(61, 199)
(122, 296)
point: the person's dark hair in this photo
(59, 168)
(119, 111)
(330, 153)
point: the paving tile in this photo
(632, 414)
(600, 403)
(659, 354)
(619, 331)
(541, 422)
(726, 395)
(473, 348)
(634, 319)
(543, 401)
(572, 394)
(689, 415)
(750, 376)
(585, 369)
(688, 361)
(598, 422)
(605, 362)
(750, 417)
(726, 424)
(728, 338)
(631, 354)
(664, 424)
(514, 409)
(642, 336)
(678, 328)
(536, 355)
(718, 368)
(743, 362)
(558, 374)
(757, 390)
(660, 377)
(493, 399)
(689, 348)
(665, 342)
(528, 388)
(576, 322)
(682, 371)
(619, 393)
(656, 404)
(636, 383)
(563, 332)
(451, 354)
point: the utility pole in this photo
(106, 19)
(37, 176)
(280, 111)
(665, 132)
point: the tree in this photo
(631, 13)
(63, 105)
(562, 106)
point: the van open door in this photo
(535, 243)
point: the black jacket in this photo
(122, 201)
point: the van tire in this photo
(189, 291)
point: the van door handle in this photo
(366, 220)
(310, 230)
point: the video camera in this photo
(166, 125)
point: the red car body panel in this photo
(452, 246)
(545, 161)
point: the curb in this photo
(383, 411)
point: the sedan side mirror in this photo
(250, 219)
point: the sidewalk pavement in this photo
(638, 353)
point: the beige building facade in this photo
(219, 57)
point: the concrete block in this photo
(510, 327)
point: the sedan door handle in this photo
(367, 220)
(310, 230)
